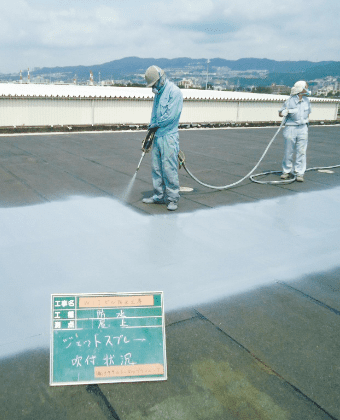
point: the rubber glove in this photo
(153, 128)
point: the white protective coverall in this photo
(295, 134)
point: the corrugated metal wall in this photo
(324, 111)
(62, 111)
(92, 111)
(122, 111)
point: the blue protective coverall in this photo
(166, 112)
(295, 134)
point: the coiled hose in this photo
(249, 175)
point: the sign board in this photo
(105, 338)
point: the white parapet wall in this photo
(52, 105)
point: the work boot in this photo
(151, 200)
(299, 178)
(172, 206)
(285, 176)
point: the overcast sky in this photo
(47, 33)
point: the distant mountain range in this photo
(279, 72)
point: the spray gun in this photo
(146, 145)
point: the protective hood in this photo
(298, 87)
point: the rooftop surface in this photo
(250, 274)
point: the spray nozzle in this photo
(147, 142)
(146, 145)
(181, 159)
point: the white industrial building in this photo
(28, 104)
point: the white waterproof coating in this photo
(152, 74)
(87, 245)
(298, 87)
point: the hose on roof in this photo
(181, 158)
(224, 187)
(317, 168)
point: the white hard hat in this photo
(152, 74)
(298, 87)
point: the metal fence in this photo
(16, 111)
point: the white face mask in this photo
(157, 87)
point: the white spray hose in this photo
(252, 177)
(288, 181)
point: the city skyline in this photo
(248, 74)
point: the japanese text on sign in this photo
(107, 338)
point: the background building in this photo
(24, 104)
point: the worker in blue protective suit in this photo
(296, 110)
(166, 112)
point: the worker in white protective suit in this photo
(166, 112)
(296, 110)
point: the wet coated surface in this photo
(100, 245)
